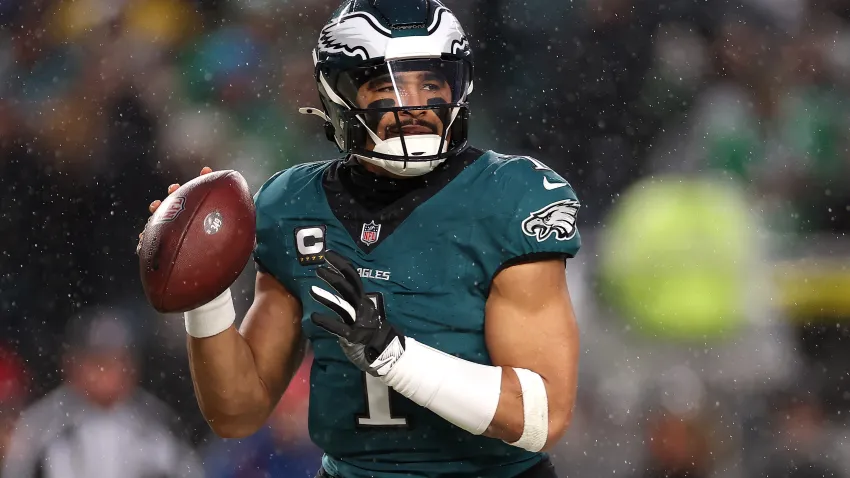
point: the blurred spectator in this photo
(99, 423)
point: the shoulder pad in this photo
(524, 172)
(277, 186)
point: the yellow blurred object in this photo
(677, 257)
(160, 21)
(72, 19)
(157, 21)
(812, 289)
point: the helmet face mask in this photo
(395, 97)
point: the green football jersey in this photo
(427, 260)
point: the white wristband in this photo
(535, 411)
(462, 392)
(211, 318)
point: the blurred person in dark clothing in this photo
(99, 423)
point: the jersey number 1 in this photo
(378, 410)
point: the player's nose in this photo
(414, 113)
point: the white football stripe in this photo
(336, 299)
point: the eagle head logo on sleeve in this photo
(558, 218)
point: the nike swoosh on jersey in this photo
(550, 186)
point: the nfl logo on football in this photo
(172, 210)
(370, 233)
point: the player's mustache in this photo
(397, 127)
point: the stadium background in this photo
(708, 141)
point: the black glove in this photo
(368, 340)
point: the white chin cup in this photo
(417, 145)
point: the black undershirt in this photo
(358, 197)
(376, 192)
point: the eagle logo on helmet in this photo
(355, 34)
(360, 34)
(558, 218)
(449, 31)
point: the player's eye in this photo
(431, 87)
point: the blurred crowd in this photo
(707, 140)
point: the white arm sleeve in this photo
(462, 392)
(466, 393)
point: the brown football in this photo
(197, 242)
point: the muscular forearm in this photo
(240, 375)
(230, 393)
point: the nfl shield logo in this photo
(172, 210)
(370, 233)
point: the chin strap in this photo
(425, 145)
(418, 145)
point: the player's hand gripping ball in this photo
(367, 339)
(197, 241)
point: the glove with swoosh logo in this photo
(369, 341)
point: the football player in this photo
(427, 275)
